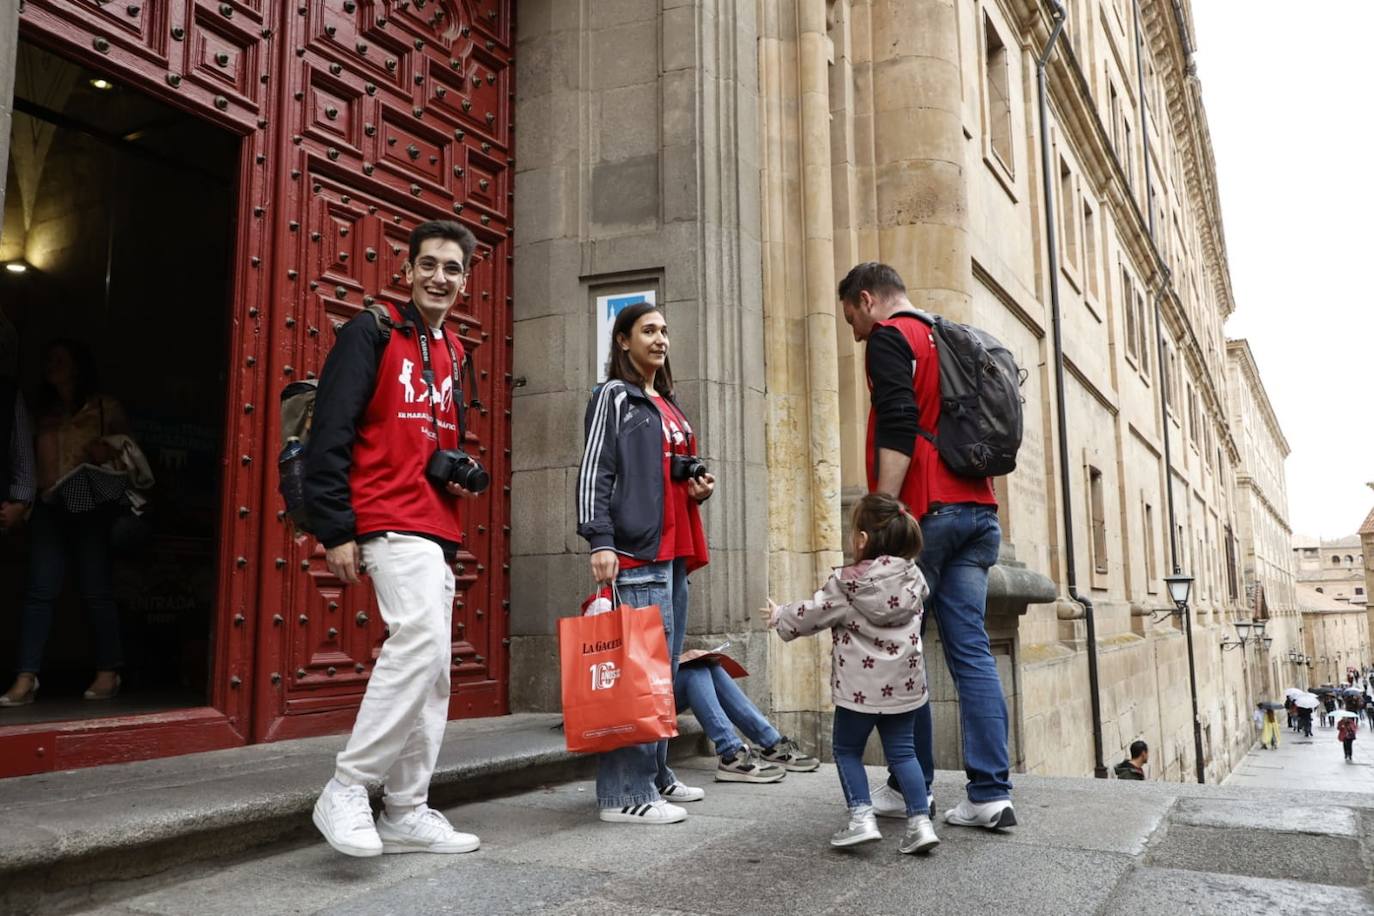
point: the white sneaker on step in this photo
(678, 792)
(344, 815)
(423, 830)
(994, 815)
(659, 812)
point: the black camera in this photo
(453, 465)
(687, 467)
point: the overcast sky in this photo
(1288, 93)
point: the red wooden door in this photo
(213, 59)
(359, 119)
(394, 113)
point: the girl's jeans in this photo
(57, 538)
(897, 732)
(634, 775)
(720, 706)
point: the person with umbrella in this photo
(1305, 703)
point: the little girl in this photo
(873, 610)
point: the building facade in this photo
(1335, 637)
(1334, 567)
(731, 161)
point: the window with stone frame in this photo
(997, 89)
(1068, 219)
(1143, 321)
(1128, 308)
(1151, 569)
(1090, 247)
(1097, 518)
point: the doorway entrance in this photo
(118, 238)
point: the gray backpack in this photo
(980, 400)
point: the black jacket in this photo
(1127, 770)
(620, 484)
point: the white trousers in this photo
(401, 721)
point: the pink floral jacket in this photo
(873, 611)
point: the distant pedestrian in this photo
(1133, 767)
(1305, 721)
(1258, 718)
(873, 611)
(1270, 736)
(1345, 733)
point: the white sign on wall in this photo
(607, 308)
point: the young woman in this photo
(73, 419)
(637, 506)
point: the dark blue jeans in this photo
(896, 731)
(720, 706)
(961, 544)
(634, 775)
(57, 537)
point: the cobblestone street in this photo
(1315, 764)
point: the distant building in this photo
(1335, 568)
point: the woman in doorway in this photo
(638, 494)
(73, 418)
(1270, 736)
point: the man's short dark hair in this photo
(1138, 748)
(880, 280)
(447, 229)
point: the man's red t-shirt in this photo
(682, 534)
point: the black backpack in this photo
(297, 412)
(980, 400)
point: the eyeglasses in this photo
(427, 267)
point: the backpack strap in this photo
(381, 313)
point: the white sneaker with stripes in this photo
(659, 812)
(678, 792)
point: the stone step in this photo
(62, 832)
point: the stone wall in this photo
(636, 169)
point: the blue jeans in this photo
(56, 537)
(961, 543)
(896, 731)
(634, 775)
(720, 705)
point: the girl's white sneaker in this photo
(862, 828)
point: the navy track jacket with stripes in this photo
(620, 485)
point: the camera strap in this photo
(427, 373)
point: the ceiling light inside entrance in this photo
(16, 267)
(101, 84)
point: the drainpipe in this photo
(1166, 280)
(1052, 240)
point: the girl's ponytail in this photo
(891, 528)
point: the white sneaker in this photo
(994, 815)
(888, 802)
(423, 830)
(659, 812)
(677, 792)
(344, 815)
(862, 828)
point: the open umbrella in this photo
(1322, 691)
(1294, 692)
(1306, 701)
(1344, 714)
(1267, 705)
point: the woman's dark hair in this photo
(86, 384)
(892, 530)
(620, 366)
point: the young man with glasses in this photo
(385, 404)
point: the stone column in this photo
(922, 191)
(636, 169)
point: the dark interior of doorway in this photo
(120, 210)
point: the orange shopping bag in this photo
(617, 682)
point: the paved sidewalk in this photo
(1316, 763)
(1083, 846)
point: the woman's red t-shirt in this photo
(683, 536)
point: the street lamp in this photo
(1180, 585)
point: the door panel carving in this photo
(373, 147)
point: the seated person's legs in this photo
(695, 688)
